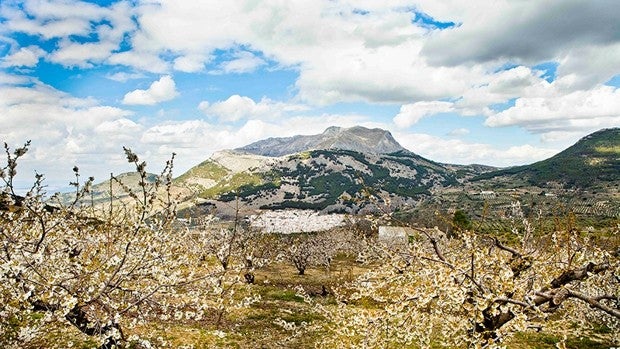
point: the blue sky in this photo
(83, 79)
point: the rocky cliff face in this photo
(359, 139)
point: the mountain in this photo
(359, 139)
(325, 179)
(593, 161)
(338, 170)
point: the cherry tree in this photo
(476, 290)
(101, 269)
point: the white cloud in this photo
(47, 28)
(456, 151)
(582, 37)
(457, 132)
(561, 136)
(190, 63)
(24, 57)
(243, 62)
(68, 20)
(240, 107)
(121, 129)
(387, 74)
(11, 79)
(81, 55)
(412, 113)
(161, 90)
(180, 134)
(145, 61)
(124, 76)
(64, 130)
(523, 31)
(341, 55)
(501, 87)
(590, 65)
(596, 108)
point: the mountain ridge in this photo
(356, 138)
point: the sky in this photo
(499, 82)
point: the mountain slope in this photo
(326, 179)
(359, 139)
(592, 161)
(340, 180)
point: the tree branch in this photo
(595, 302)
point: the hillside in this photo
(593, 161)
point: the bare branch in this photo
(595, 302)
(501, 246)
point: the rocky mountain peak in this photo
(332, 130)
(357, 138)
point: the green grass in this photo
(206, 169)
(535, 340)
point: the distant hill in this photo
(101, 192)
(593, 161)
(358, 138)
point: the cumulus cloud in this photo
(73, 23)
(596, 108)
(341, 54)
(387, 74)
(146, 61)
(64, 130)
(190, 63)
(457, 151)
(583, 37)
(412, 113)
(11, 79)
(525, 31)
(240, 107)
(243, 62)
(590, 65)
(24, 57)
(501, 87)
(81, 54)
(161, 90)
